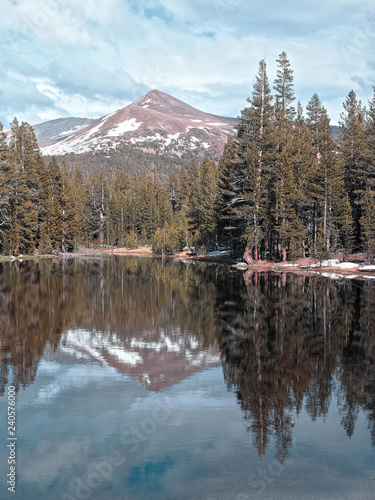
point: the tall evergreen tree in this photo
(354, 156)
(228, 185)
(284, 87)
(6, 186)
(368, 223)
(303, 165)
(28, 163)
(255, 152)
(370, 143)
(70, 229)
(330, 218)
(203, 201)
(283, 189)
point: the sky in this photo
(61, 58)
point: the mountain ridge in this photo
(155, 124)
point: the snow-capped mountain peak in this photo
(156, 123)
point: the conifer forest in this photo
(286, 186)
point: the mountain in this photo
(60, 129)
(155, 128)
(155, 359)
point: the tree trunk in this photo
(247, 257)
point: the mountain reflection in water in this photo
(286, 342)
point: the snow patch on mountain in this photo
(126, 126)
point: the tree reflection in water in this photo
(288, 342)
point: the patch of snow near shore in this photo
(327, 263)
(336, 263)
(347, 265)
(368, 268)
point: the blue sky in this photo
(62, 58)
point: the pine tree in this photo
(368, 223)
(79, 196)
(329, 215)
(28, 163)
(354, 154)
(97, 208)
(70, 230)
(203, 201)
(284, 190)
(284, 87)
(255, 152)
(370, 143)
(46, 211)
(315, 111)
(228, 186)
(303, 166)
(6, 186)
(287, 225)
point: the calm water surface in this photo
(138, 379)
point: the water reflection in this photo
(295, 342)
(287, 343)
(149, 320)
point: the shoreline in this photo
(300, 266)
(331, 271)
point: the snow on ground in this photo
(148, 138)
(326, 263)
(125, 126)
(335, 263)
(172, 137)
(347, 265)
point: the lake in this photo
(148, 379)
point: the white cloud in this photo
(96, 57)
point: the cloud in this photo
(101, 56)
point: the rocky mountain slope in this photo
(157, 128)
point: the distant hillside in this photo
(60, 129)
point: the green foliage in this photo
(131, 240)
(171, 238)
(202, 200)
(354, 156)
(368, 223)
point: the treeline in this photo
(283, 188)
(287, 188)
(45, 210)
